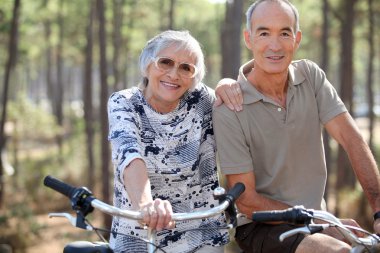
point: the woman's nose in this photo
(173, 73)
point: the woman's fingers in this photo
(238, 95)
(154, 217)
(146, 210)
(164, 211)
(158, 215)
(229, 92)
(168, 223)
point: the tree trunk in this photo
(325, 67)
(59, 88)
(117, 42)
(10, 65)
(345, 175)
(161, 10)
(87, 98)
(131, 24)
(103, 109)
(230, 38)
(171, 14)
(49, 63)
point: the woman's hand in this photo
(228, 91)
(158, 215)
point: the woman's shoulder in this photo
(126, 98)
(125, 95)
(204, 91)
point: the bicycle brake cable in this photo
(96, 229)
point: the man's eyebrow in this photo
(263, 28)
(289, 29)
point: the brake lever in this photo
(308, 230)
(74, 221)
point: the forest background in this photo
(61, 59)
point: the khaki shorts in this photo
(263, 238)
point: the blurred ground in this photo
(57, 232)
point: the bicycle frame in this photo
(84, 203)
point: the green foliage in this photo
(311, 26)
(31, 121)
(31, 127)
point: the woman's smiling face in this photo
(165, 88)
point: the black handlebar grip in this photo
(236, 191)
(267, 216)
(59, 186)
(293, 215)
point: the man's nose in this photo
(275, 44)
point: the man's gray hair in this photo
(181, 40)
(253, 6)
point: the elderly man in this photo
(274, 145)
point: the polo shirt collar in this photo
(251, 94)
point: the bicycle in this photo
(298, 215)
(83, 202)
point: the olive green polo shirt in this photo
(282, 146)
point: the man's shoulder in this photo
(223, 109)
(304, 69)
(304, 63)
(222, 114)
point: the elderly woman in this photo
(163, 150)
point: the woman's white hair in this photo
(182, 40)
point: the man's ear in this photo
(247, 39)
(298, 38)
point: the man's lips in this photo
(275, 58)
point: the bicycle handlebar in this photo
(82, 199)
(299, 215)
(59, 186)
(234, 193)
(294, 215)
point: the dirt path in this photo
(55, 234)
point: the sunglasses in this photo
(185, 70)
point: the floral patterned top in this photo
(178, 149)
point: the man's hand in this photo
(353, 223)
(228, 91)
(334, 232)
(376, 226)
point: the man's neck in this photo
(274, 86)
